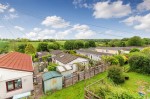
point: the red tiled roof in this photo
(16, 61)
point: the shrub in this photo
(115, 73)
(120, 59)
(140, 62)
(134, 50)
(52, 67)
(111, 60)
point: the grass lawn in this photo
(76, 91)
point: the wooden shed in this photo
(52, 81)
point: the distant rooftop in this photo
(16, 61)
(65, 58)
(93, 52)
(55, 52)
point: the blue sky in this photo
(74, 19)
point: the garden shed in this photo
(52, 81)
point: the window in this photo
(14, 84)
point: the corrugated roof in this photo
(93, 52)
(65, 58)
(16, 61)
(51, 74)
(55, 52)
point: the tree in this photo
(115, 73)
(78, 44)
(53, 46)
(135, 41)
(29, 49)
(146, 50)
(92, 43)
(86, 45)
(134, 50)
(42, 47)
(69, 45)
(21, 48)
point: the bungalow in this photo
(68, 63)
(94, 55)
(115, 50)
(16, 75)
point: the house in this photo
(68, 63)
(94, 55)
(115, 50)
(16, 75)
(51, 81)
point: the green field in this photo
(35, 44)
(77, 91)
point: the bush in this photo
(115, 73)
(140, 62)
(134, 50)
(52, 67)
(120, 59)
(111, 60)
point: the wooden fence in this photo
(83, 75)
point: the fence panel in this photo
(81, 76)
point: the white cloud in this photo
(83, 31)
(36, 29)
(11, 16)
(55, 22)
(38, 33)
(19, 28)
(111, 10)
(31, 35)
(11, 10)
(3, 7)
(139, 22)
(145, 5)
(1, 26)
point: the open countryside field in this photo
(35, 44)
(77, 91)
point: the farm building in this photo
(68, 63)
(16, 75)
(52, 81)
(94, 55)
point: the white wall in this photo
(8, 75)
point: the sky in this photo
(74, 19)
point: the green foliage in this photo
(54, 46)
(52, 66)
(29, 49)
(120, 59)
(140, 62)
(92, 43)
(42, 46)
(21, 48)
(78, 44)
(4, 47)
(146, 50)
(69, 45)
(135, 41)
(44, 58)
(134, 50)
(111, 60)
(115, 73)
(86, 45)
